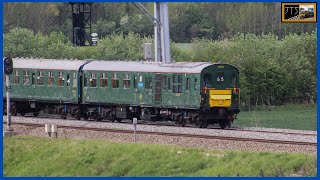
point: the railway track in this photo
(239, 129)
(176, 134)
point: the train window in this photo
(234, 80)
(169, 83)
(68, 80)
(93, 80)
(16, 78)
(26, 78)
(74, 75)
(134, 82)
(188, 84)
(180, 83)
(103, 80)
(177, 83)
(207, 80)
(164, 82)
(84, 80)
(150, 82)
(174, 84)
(50, 79)
(115, 81)
(33, 79)
(195, 84)
(126, 81)
(40, 78)
(60, 79)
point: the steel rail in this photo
(176, 134)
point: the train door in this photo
(195, 90)
(158, 89)
(136, 94)
(187, 90)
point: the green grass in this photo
(30, 156)
(289, 117)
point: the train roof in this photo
(146, 66)
(53, 64)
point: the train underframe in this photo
(200, 117)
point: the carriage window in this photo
(103, 80)
(165, 83)
(68, 80)
(84, 80)
(33, 79)
(40, 78)
(195, 84)
(188, 84)
(169, 83)
(16, 77)
(115, 81)
(26, 78)
(134, 82)
(74, 75)
(150, 82)
(177, 83)
(93, 80)
(126, 81)
(50, 79)
(60, 79)
(180, 83)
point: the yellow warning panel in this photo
(220, 98)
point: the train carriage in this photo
(198, 92)
(39, 83)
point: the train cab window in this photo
(195, 84)
(103, 80)
(60, 79)
(93, 80)
(207, 80)
(188, 84)
(115, 80)
(16, 78)
(26, 77)
(40, 78)
(50, 79)
(126, 81)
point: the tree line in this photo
(187, 20)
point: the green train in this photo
(198, 93)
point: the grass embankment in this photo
(30, 156)
(301, 117)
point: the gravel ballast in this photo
(21, 130)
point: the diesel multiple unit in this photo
(184, 92)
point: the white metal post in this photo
(165, 35)
(8, 89)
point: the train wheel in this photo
(180, 120)
(85, 116)
(23, 113)
(78, 116)
(13, 110)
(35, 114)
(119, 120)
(112, 117)
(223, 123)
